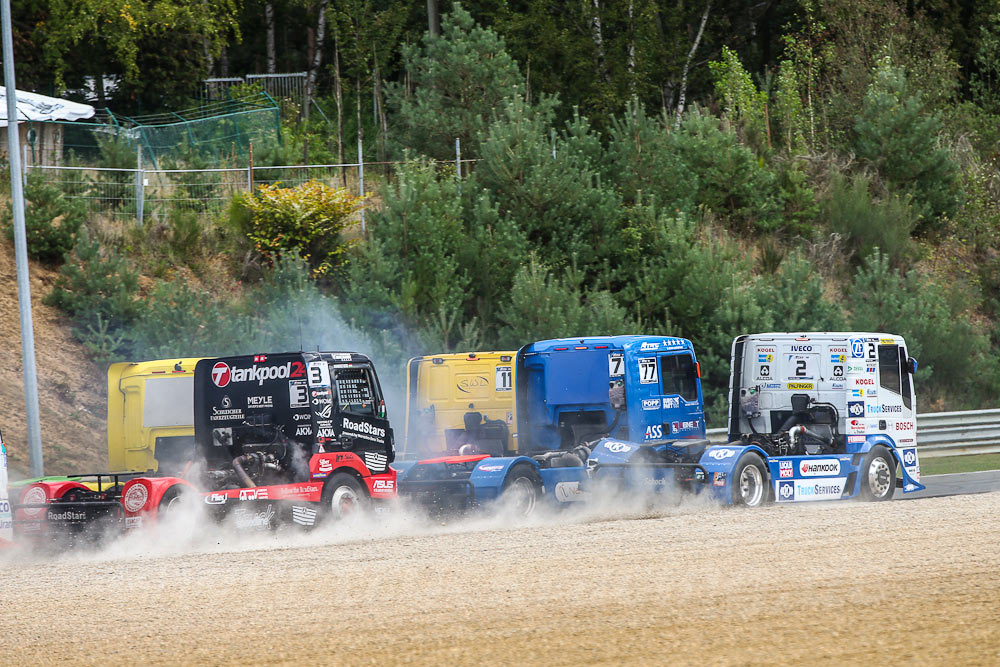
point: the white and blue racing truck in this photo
(822, 416)
(812, 416)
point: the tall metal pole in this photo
(21, 250)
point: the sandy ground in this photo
(914, 581)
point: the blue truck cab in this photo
(571, 394)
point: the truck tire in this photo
(521, 491)
(749, 484)
(343, 496)
(878, 475)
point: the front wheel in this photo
(878, 475)
(749, 483)
(520, 491)
(343, 497)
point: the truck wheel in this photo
(520, 491)
(342, 497)
(878, 475)
(749, 483)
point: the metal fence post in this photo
(140, 186)
(458, 163)
(361, 179)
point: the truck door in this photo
(682, 415)
(894, 408)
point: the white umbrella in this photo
(32, 106)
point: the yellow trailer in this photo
(461, 404)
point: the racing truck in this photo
(292, 437)
(568, 394)
(812, 416)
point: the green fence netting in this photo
(219, 132)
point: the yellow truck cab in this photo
(151, 415)
(458, 399)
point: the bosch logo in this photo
(221, 374)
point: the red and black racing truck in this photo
(294, 437)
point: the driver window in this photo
(888, 367)
(678, 376)
(354, 391)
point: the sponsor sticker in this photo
(785, 469)
(493, 467)
(616, 364)
(819, 467)
(722, 454)
(856, 426)
(653, 432)
(801, 385)
(671, 402)
(650, 404)
(719, 478)
(649, 346)
(618, 447)
(786, 491)
(855, 438)
(855, 408)
(689, 425)
(647, 370)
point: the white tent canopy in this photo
(31, 106)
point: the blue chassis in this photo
(788, 480)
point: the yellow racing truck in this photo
(454, 400)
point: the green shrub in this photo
(897, 135)
(51, 220)
(307, 220)
(867, 224)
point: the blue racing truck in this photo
(571, 396)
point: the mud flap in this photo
(909, 467)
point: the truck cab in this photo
(460, 400)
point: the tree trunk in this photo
(433, 18)
(687, 64)
(317, 58)
(598, 37)
(339, 94)
(269, 23)
(631, 49)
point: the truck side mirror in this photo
(911, 365)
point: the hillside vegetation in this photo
(846, 181)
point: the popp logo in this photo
(221, 374)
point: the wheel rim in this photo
(520, 496)
(345, 501)
(751, 486)
(174, 503)
(879, 477)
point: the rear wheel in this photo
(343, 497)
(521, 491)
(878, 475)
(749, 483)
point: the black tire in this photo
(343, 496)
(171, 500)
(878, 475)
(521, 491)
(750, 485)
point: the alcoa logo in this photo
(721, 454)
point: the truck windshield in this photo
(678, 376)
(355, 393)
